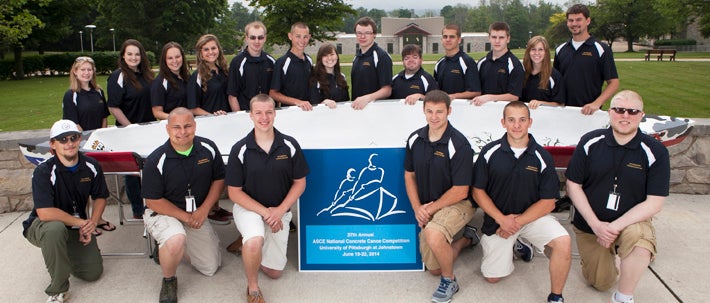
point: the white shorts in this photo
(201, 245)
(250, 225)
(497, 259)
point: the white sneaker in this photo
(60, 298)
(613, 299)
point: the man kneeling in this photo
(182, 180)
(515, 183)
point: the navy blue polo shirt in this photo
(501, 76)
(212, 100)
(163, 93)
(87, 108)
(291, 75)
(553, 92)
(420, 83)
(335, 92)
(371, 71)
(584, 70)
(514, 184)
(266, 177)
(457, 74)
(642, 167)
(250, 76)
(438, 165)
(167, 174)
(54, 185)
(133, 102)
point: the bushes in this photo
(675, 42)
(60, 64)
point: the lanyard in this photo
(617, 168)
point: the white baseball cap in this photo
(63, 128)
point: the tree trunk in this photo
(19, 69)
(630, 45)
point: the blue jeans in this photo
(133, 191)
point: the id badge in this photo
(190, 203)
(613, 202)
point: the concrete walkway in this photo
(679, 274)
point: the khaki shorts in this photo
(449, 221)
(598, 266)
(201, 245)
(250, 225)
(497, 259)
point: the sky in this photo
(417, 5)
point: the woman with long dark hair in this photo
(169, 89)
(542, 83)
(129, 102)
(328, 84)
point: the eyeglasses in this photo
(361, 34)
(621, 110)
(84, 58)
(261, 37)
(72, 138)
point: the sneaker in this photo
(255, 296)
(225, 213)
(168, 292)
(471, 233)
(523, 250)
(555, 299)
(613, 299)
(58, 298)
(447, 289)
(218, 217)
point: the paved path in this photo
(679, 274)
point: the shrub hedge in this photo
(60, 64)
(676, 42)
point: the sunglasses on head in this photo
(84, 58)
(621, 110)
(261, 37)
(73, 138)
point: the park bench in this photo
(659, 54)
(192, 64)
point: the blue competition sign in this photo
(355, 214)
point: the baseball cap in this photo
(63, 128)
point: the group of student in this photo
(266, 171)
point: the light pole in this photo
(113, 37)
(81, 40)
(91, 28)
(529, 35)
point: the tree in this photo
(230, 27)
(16, 23)
(638, 17)
(159, 21)
(403, 13)
(64, 17)
(323, 17)
(557, 32)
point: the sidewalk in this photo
(680, 270)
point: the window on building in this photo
(435, 48)
(468, 47)
(339, 48)
(390, 48)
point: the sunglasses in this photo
(261, 37)
(621, 110)
(84, 58)
(72, 138)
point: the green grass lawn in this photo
(668, 88)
